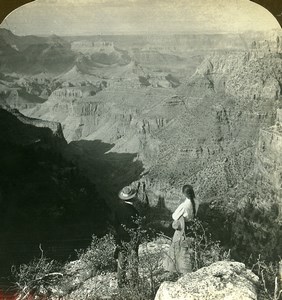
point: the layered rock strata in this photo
(268, 167)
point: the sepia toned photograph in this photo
(141, 150)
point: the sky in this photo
(90, 17)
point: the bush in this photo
(142, 272)
(99, 256)
(150, 270)
(268, 273)
(204, 250)
(38, 277)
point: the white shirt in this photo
(185, 209)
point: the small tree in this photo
(204, 250)
(269, 273)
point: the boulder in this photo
(221, 280)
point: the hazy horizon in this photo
(146, 33)
(138, 17)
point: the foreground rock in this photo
(81, 281)
(221, 280)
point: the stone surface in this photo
(220, 281)
(55, 127)
(80, 283)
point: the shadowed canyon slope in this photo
(200, 109)
(42, 195)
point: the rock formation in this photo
(221, 280)
(55, 127)
(39, 191)
(269, 162)
(202, 129)
(130, 105)
(33, 55)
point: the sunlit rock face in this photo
(208, 125)
(221, 280)
(218, 130)
(254, 205)
(269, 163)
(203, 129)
(241, 75)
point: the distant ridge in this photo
(23, 42)
(33, 54)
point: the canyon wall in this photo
(268, 167)
(209, 131)
(55, 127)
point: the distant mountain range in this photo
(23, 42)
(57, 55)
(32, 54)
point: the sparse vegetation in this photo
(37, 278)
(204, 250)
(99, 255)
(98, 259)
(269, 278)
(207, 131)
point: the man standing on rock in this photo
(127, 242)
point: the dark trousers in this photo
(127, 265)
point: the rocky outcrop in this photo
(110, 115)
(271, 43)
(241, 75)
(81, 280)
(204, 132)
(90, 47)
(69, 93)
(55, 127)
(20, 99)
(256, 79)
(221, 280)
(269, 163)
(252, 73)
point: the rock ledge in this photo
(221, 280)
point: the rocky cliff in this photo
(221, 280)
(55, 127)
(265, 204)
(269, 163)
(254, 72)
(204, 132)
(242, 74)
(42, 195)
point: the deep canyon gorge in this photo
(152, 111)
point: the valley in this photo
(162, 111)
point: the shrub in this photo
(143, 284)
(150, 270)
(268, 273)
(99, 256)
(38, 277)
(204, 250)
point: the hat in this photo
(127, 193)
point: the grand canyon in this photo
(91, 114)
